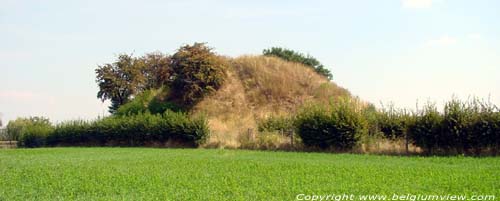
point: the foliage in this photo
(120, 80)
(30, 132)
(198, 72)
(427, 129)
(127, 76)
(157, 70)
(275, 123)
(339, 126)
(465, 127)
(152, 100)
(392, 122)
(484, 129)
(132, 130)
(290, 55)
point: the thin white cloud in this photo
(441, 41)
(416, 4)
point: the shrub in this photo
(30, 132)
(426, 130)
(338, 127)
(132, 130)
(392, 122)
(138, 105)
(456, 121)
(198, 72)
(275, 123)
(153, 101)
(16, 127)
(483, 130)
(464, 127)
(290, 55)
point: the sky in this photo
(384, 51)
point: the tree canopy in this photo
(192, 72)
(293, 56)
(198, 71)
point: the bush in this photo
(198, 72)
(30, 132)
(275, 123)
(290, 55)
(138, 105)
(338, 127)
(392, 122)
(132, 130)
(484, 129)
(427, 128)
(153, 101)
(465, 127)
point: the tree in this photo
(120, 80)
(128, 76)
(157, 70)
(198, 71)
(290, 55)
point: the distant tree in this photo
(120, 80)
(198, 71)
(290, 55)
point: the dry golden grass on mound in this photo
(256, 87)
(273, 85)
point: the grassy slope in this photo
(195, 174)
(258, 86)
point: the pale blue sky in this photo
(384, 50)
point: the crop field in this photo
(217, 174)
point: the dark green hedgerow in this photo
(338, 127)
(469, 127)
(135, 130)
(141, 129)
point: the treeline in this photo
(464, 127)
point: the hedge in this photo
(134, 130)
(337, 127)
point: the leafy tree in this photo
(290, 55)
(128, 76)
(157, 70)
(197, 71)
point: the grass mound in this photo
(258, 87)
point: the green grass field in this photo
(201, 174)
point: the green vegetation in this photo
(290, 55)
(275, 123)
(465, 127)
(191, 73)
(30, 132)
(200, 174)
(198, 72)
(141, 129)
(122, 79)
(337, 127)
(152, 101)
